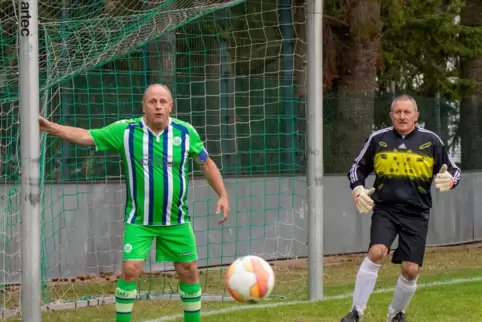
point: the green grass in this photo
(442, 303)
(457, 302)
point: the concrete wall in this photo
(83, 223)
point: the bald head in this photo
(161, 88)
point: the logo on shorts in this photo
(185, 254)
(177, 140)
(122, 294)
(128, 248)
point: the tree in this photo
(424, 50)
(421, 44)
(356, 84)
(471, 103)
(418, 48)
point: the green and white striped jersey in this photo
(155, 166)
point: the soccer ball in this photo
(249, 279)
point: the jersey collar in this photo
(144, 125)
(415, 130)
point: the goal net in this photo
(236, 70)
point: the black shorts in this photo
(411, 230)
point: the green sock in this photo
(125, 294)
(191, 297)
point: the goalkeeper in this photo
(405, 159)
(155, 149)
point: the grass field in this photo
(450, 289)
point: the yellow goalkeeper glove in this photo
(444, 180)
(363, 202)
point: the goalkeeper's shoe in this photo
(399, 317)
(353, 316)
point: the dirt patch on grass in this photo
(290, 264)
(337, 260)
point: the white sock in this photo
(404, 291)
(365, 282)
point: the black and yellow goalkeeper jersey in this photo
(404, 168)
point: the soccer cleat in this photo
(399, 317)
(353, 316)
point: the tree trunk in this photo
(162, 57)
(299, 20)
(471, 104)
(357, 84)
(299, 15)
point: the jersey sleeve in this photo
(442, 157)
(197, 150)
(110, 137)
(362, 165)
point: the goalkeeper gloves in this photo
(363, 202)
(444, 180)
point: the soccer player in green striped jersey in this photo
(155, 150)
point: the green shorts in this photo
(175, 243)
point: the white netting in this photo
(232, 77)
(77, 35)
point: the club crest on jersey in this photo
(176, 140)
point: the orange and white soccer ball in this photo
(249, 279)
